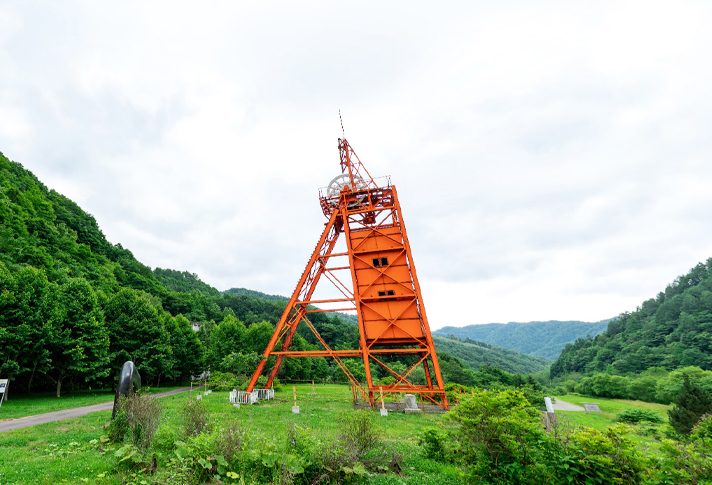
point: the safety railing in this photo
(242, 397)
(264, 393)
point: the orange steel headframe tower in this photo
(384, 292)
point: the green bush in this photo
(141, 416)
(118, 428)
(637, 415)
(435, 444)
(499, 435)
(588, 456)
(702, 432)
(223, 381)
(358, 432)
(691, 404)
(502, 441)
(679, 464)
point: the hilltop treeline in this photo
(669, 331)
(74, 307)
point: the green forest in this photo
(645, 352)
(74, 308)
(545, 339)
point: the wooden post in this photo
(294, 390)
(422, 404)
(383, 403)
(313, 391)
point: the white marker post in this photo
(4, 384)
(295, 408)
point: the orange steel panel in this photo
(384, 287)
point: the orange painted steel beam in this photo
(384, 286)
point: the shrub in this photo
(118, 428)
(142, 415)
(195, 418)
(637, 415)
(229, 440)
(223, 381)
(679, 463)
(587, 456)
(691, 404)
(702, 432)
(499, 437)
(435, 444)
(357, 432)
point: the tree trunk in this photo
(32, 376)
(59, 385)
(158, 384)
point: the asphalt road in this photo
(566, 406)
(69, 413)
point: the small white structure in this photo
(549, 405)
(265, 393)
(241, 397)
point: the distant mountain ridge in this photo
(476, 354)
(545, 339)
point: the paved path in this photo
(69, 413)
(566, 406)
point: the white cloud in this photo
(552, 159)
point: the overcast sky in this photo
(553, 159)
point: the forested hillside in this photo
(74, 307)
(476, 354)
(545, 339)
(669, 331)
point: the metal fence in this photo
(242, 397)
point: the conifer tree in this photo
(691, 404)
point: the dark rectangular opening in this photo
(381, 293)
(391, 293)
(384, 261)
(377, 263)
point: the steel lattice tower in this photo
(384, 287)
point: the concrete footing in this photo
(295, 409)
(384, 412)
(236, 405)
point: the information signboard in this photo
(3, 386)
(591, 407)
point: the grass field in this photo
(21, 405)
(609, 408)
(63, 452)
(69, 452)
